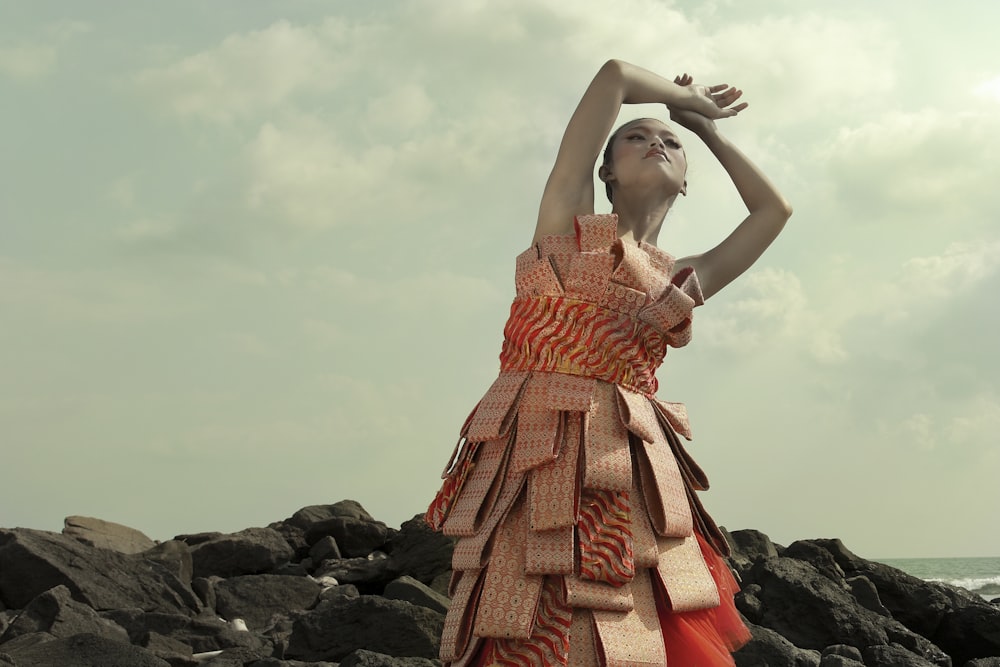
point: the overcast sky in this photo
(258, 255)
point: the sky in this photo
(257, 256)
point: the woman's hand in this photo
(707, 103)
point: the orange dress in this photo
(581, 538)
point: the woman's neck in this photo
(640, 221)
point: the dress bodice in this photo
(589, 304)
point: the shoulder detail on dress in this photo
(596, 233)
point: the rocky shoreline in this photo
(331, 585)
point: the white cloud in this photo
(27, 61)
(989, 89)
(251, 73)
(771, 309)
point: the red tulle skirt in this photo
(703, 638)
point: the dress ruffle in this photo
(582, 540)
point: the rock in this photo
(419, 552)
(893, 655)
(984, 662)
(250, 551)
(169, 649)
(970, 632)
(370, 574)
(866, 594)
(106, 535)
(325, 549)
(355, 537)
(769, 649)
(55, 612)
(394, 627)
(201, 634)
(750, 545)
(173, 555)
(256, 599)
(839, 661)
(818, 557)
(411, 590)
(85, 650)
(362, 658)
(844, 651)
(33, 561)
(275, 662)
(349, 509)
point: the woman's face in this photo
(647, 153)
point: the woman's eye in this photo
(634, 136)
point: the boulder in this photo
(363, 658)
(250, 551)
(56, 613)
(769, 649)
(201, 634)
(893, 655)
(371, 574)
(335, 628)
(33, 561)
(419, 552)
(411, 590)
(106, 535)
(256, 599)
(85, 650)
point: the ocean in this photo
(979, 575)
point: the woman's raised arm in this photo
(768, 209)
(569, 190)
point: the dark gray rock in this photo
(172, 650)
(769, 649)
(106, 535)
(893, 655)
(411, 590)
(33, 561)
(250, 551)
(984, 662)
(344, 592)
(325, 549)
(275, 662)
(818, 557)
(866, 594)
(419, 552)
(56, 612)
(371, 574)
(256, 599)
(313, 514)
(970, 632)
(749, 545)
(201, 634)
(336, 628)
(354, 537)
(362, 658)
(85, 651)
(839, 661)
(843, 650)
(173, 555)
(204, 588)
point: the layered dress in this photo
(581, 538)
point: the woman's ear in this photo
(684, 188)
(604, 173)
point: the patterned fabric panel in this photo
(632, 639)
(597, 595)
(535, 275)
(605, 537)
(607, 464)
(644, 548)
(582, 645)
(458, 622)
(664, 490)
(596, 233)
(588, 275)
(553, 489)
(676, 416)
(468, 554)
(551, 551)
(548, 644)
(563, 335)
(638, 415)
(493, 416)
(509, 600)
(441, 506)
(477, 496)
(638, 271)
(685, 576)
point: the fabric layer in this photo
(581, 538)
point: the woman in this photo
(581, 538)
